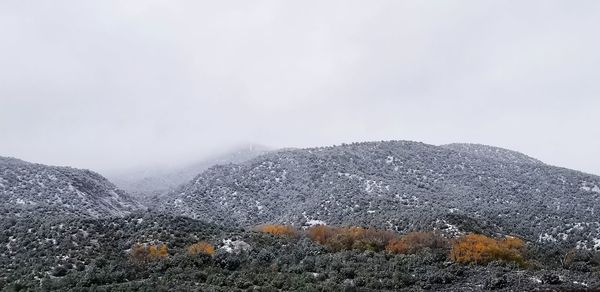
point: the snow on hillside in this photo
(400, 184)
(28, 188)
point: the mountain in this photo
(400, 185)
(156, 180)
(64, 229)
(30, 188)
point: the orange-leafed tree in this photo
(370, 238)
(511, 242)
(201, 247)
(413, 242)
(278, 229)
(158, 251)
(346, 238)
(320, 233)
(480, 249)
(142, 253)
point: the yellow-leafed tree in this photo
(413, 242)
(278, 229)
(141, 253)
(346, 238)
(480, 249)
(201, 247)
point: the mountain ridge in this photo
(37, 189)
(493, 152)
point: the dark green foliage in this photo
(97, 260)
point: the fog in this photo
(110, 85)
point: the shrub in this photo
(414, 242)
(142, 253)
(346, 238)
(278, 229)
(320, 233)
(578, 259)
(201, 247)
(158, 251)
(480, 249)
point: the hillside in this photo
(36, 189)
(75, 254)
(403, 186)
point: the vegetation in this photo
(415, 242)
(480, 249)
(143, 253)
(278, 229)
(201, 247)
(82, 255)
(348, 238)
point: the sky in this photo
(117, 84)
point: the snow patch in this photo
(589, 187)
(235, 246)
(453, 229)
(546, 238)
(371, 185)
(389, 159)
(314, 222)
(581, 283)
(258, 205)
(535, 280)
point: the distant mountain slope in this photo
(402, 185)
(152, 181)
(29, 188)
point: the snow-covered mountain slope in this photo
(495, 153)
(29, 188)
(402, 185)
(145, 182)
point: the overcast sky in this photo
(117, 84)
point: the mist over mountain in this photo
(30, 189)
(146, 181)
(400, 185)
